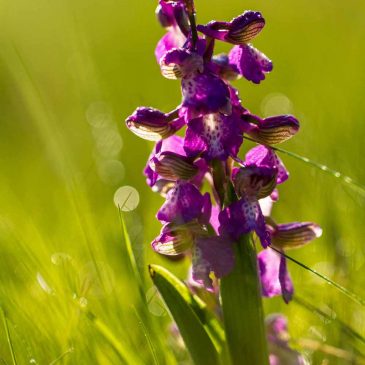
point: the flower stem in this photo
(242, 308)
(191, 12)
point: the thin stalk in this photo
(8, 338)
(360, 188)
(242, 308)
(342, 289)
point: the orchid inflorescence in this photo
(206, 225)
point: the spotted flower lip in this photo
(153, 125)
(272, 130)
(249, 62)
(239, 30)
(263, 156)
(213, 136)
(275, 278)
(241, 217)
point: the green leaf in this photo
(195, 325)
(242, 308)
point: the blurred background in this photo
(70, 73)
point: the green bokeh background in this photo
(70, 73)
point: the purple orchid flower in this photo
(275, 278)
(243, 216)
(278, 337)
(168, 163)
(263, 156)
(244, 59)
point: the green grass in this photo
(70, 72)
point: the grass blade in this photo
(181, 305)
(242, 308)
(360, 188)
(8, 338)
(126, 355)
(341, 288)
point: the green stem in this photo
(242, 308)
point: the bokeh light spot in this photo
(126, 198)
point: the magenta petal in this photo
(172, 39)
(212, 254)
(183, 204)
(275, 279)
(250, 62)
(243, 217)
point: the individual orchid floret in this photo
(245, 215)
(168, 163)
(244, 59)
(185, 203)
(238, 31)
(263, 156)
(278, 338)
(275, 278)
(180, 62)
(172, 15)
(272, 130)
(153, 125)
(204, 93)
(213, 136)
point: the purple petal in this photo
(274, 130)
(256, 181)
(296, 234)
(206, 209)
(204, 93)
(214, 221)
(183, 204)
(250, 62)
(172, 39)
(265, 156)
(211, 254)
(215, 136)
(275, 279)
(173, 240)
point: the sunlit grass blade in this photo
(344, 327)
(180, 303)
(242, 308)
(342, 289)
(148, 337)
(132, 258)
(360, 188)
(62, 356)
(8, 338)
(126, 354)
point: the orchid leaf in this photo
(194, 323)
